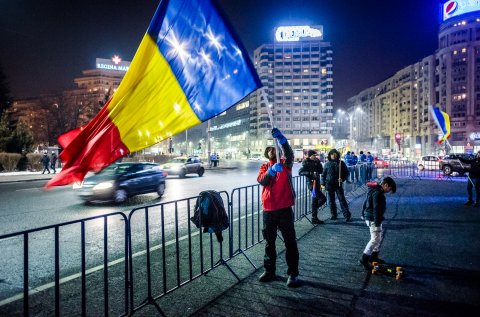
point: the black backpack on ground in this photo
(210, 213)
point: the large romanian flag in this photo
(443, 122)
(188, 68)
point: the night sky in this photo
(44, 45)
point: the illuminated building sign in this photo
(115, 64)
(298, 33)
(455, 8)
(226, 125)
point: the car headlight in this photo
(103, 185)
(77, 185)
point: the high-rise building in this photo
(297, 73)
(395, 115)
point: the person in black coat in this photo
(53, 162)
(335, 172)
(312, 169)
(373, 210)
(473, 179)
(45, 162)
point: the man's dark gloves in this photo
(279, 136)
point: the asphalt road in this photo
(26, 205)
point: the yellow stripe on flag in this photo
(150, 106)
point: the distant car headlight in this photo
(103, 185)
(77, 185)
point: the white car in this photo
(256, 157)
(429, 162)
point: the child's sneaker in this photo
(365, 261)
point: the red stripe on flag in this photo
(92, 147)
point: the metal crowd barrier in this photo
(65, 256)
(157, 250)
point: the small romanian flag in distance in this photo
(443, 122)
(189, 67)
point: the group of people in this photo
(214, 159)
(359, 167)
(49, 162)
(278, 197)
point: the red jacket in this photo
(277, 192)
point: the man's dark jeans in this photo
(282, 220)
(470, 186)
(341, 198)
(318, 201)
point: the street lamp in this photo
(351, 128)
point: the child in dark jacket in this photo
(373, 210)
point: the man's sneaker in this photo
(293, 281)
(333, 218)
(317, 221)
(469, 202)
(267, 277)
(348, 219)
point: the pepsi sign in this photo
(455, 8)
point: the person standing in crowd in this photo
(370, 160)
(354, 173)
(373, 210)
(45, 162)
(53, 162)
(335, 172)
(348, 161)
(473, 179)
(312, 169)
(278, 197)
(362, 167)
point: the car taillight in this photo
(165, 174)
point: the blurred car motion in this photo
(182, 166)
(120, 181)
(380, 163)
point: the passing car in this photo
(429, 163)
(380, 163)
(120, 181)
(182, 166)
(450, 163)
(256, 157)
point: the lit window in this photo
(305, 70)
(464, 50)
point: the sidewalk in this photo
(428, 231)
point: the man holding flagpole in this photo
(473, 179)
(278, 197)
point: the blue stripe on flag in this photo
(208, 61)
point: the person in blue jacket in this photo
(354, 171)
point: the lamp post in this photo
(351, 128)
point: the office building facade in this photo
(297, 73)
(396, 114)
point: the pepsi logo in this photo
(451, 7)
